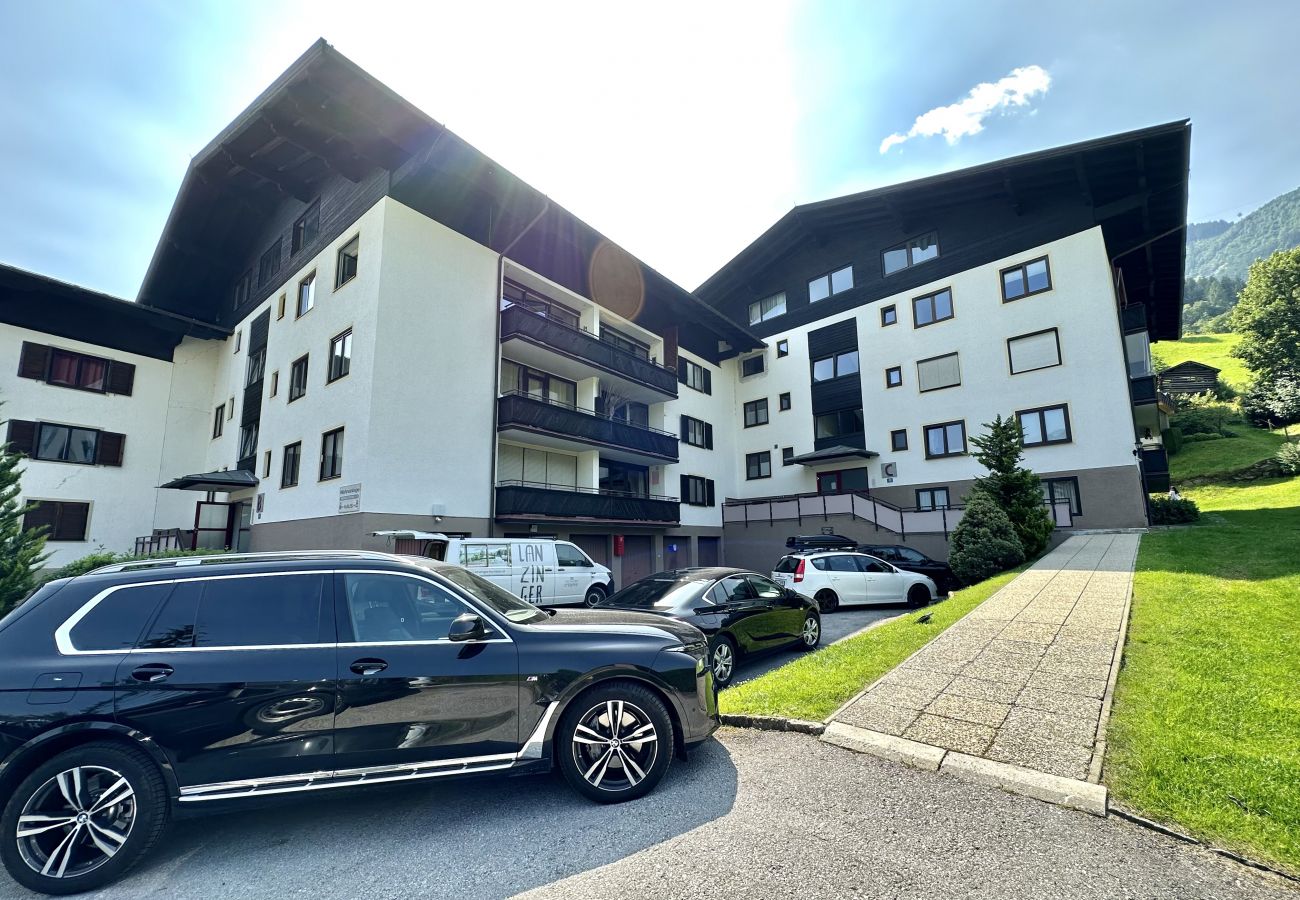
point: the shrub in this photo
(1173, 512)
(984, 542)
(1198, 438)
(1205, 418)
(1273, 402)
(1288, 458)
(1172, 439)
(102, 557)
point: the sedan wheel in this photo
(811, 635)
(616, 742)
(724, 663)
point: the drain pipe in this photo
(496, 374)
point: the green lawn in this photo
(1201, 459)
(1211, 349)
(816, 685)
(1205, 730)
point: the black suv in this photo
(184, 681)
(915, 561)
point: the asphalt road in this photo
(835, 627)
(751, 814)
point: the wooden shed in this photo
(1188, 378)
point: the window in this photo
(542, 385)
(247, 440)
(787, 456)
(290, 463)
(751, 365)
(275, 382)
(836, 366)
(1030, 352)
(783, 401)
(266, 464)
(66, 443)
(767, 308)
(932, 498)
(1048, 425)
(340, 356)
(832, 283)
(697, 491)
(262, 611)
(571, 556)
(894, 377)
(230, 409)
(66, 520)
(306, 295)
(839, 423)
(256, 368)
(280, 313)
(842, 481)
(1027, 278)
(782, 349)
(331, 454)
(632, 412)
(298, 378)
(694, 376)
(898, 440)
(910, 253)
(482, 556)
(756, 413)
(626, 343)
(306, 228)
(239, 340)
(116, 622)
(888, 315)
(76, 370)
(269, 265)
(219, 421)
(697, 433)
(243, 289)
(758, 465)
(938, 372)
(931, 308)
(945, 439)
(1063, 490)
(346, 267)
(515, 294)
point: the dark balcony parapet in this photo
(529, 500)
(1134, 317)
(1142, 389)
(540, 415)
(517, 322)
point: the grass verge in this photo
(814, 686)
(1205, 729)
(1207, 459)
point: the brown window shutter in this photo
(34, 362)
(708, 436)
(73, 518)
(22, 437)
(121, 378)
(110, 448)
(708, 493)
(684, 489)
(41, 515)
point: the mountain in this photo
(1221, 249)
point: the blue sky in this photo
(681, 130)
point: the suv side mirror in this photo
(466, 627)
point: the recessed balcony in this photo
(523, 500)
(549, 423)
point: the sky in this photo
(681, 130)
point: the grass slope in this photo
(816, 685)
(1211, 349)
(1204, 459)
(1205, 730)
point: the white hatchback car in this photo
(835, 578)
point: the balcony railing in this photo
(1134, 317)
(539, 414)
(1155, 469)
(517, 321)
(526, 500)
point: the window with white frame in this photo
(767, 308)
(831, 283)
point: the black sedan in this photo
(915, 561)
(741, 612)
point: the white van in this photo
(542, 571)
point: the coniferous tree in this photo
(1015, 489)
(22, 550)
(984, 542)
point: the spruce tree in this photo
(984, 542)
(1015, 489)
(22, 551)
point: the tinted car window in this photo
(389, 608)
(866, 564)
(822, 564)
(765, 588)
(174, 624)
(910, 555)
(498, 598)
(116, 621)
(841, 564)
(262, 611)
(657, 594)
(882, 552)
(571, 556)
(736, 588)
(787, 564)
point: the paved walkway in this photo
(1025, 677)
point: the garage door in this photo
(638, 558)
(677, 551)
(594, 545)
(710, 551)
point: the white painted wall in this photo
(718, 463)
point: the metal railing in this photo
(522, 499)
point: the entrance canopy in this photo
(833, 455)
(231, 480)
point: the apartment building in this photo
(368, 332)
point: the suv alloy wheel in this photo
(615, 742)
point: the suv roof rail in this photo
(221, 558)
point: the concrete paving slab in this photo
(951, 734)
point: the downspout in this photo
(496, 374)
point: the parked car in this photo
(543, 571)
(915, 561)
(741, 612)
(808, 543)
(143, 686)
(833, 579)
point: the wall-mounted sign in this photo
(349, 498)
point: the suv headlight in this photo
(698, 650)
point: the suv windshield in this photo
(652, 594)
(500, 599)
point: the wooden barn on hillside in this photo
(1188, 378)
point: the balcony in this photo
(1134, 318)
(552, 346)
(539, 421)
(522, 500)
(1143, 391)
(1155, 469)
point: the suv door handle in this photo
(368, 666)
(152, 673)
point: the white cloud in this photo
(967, 115)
